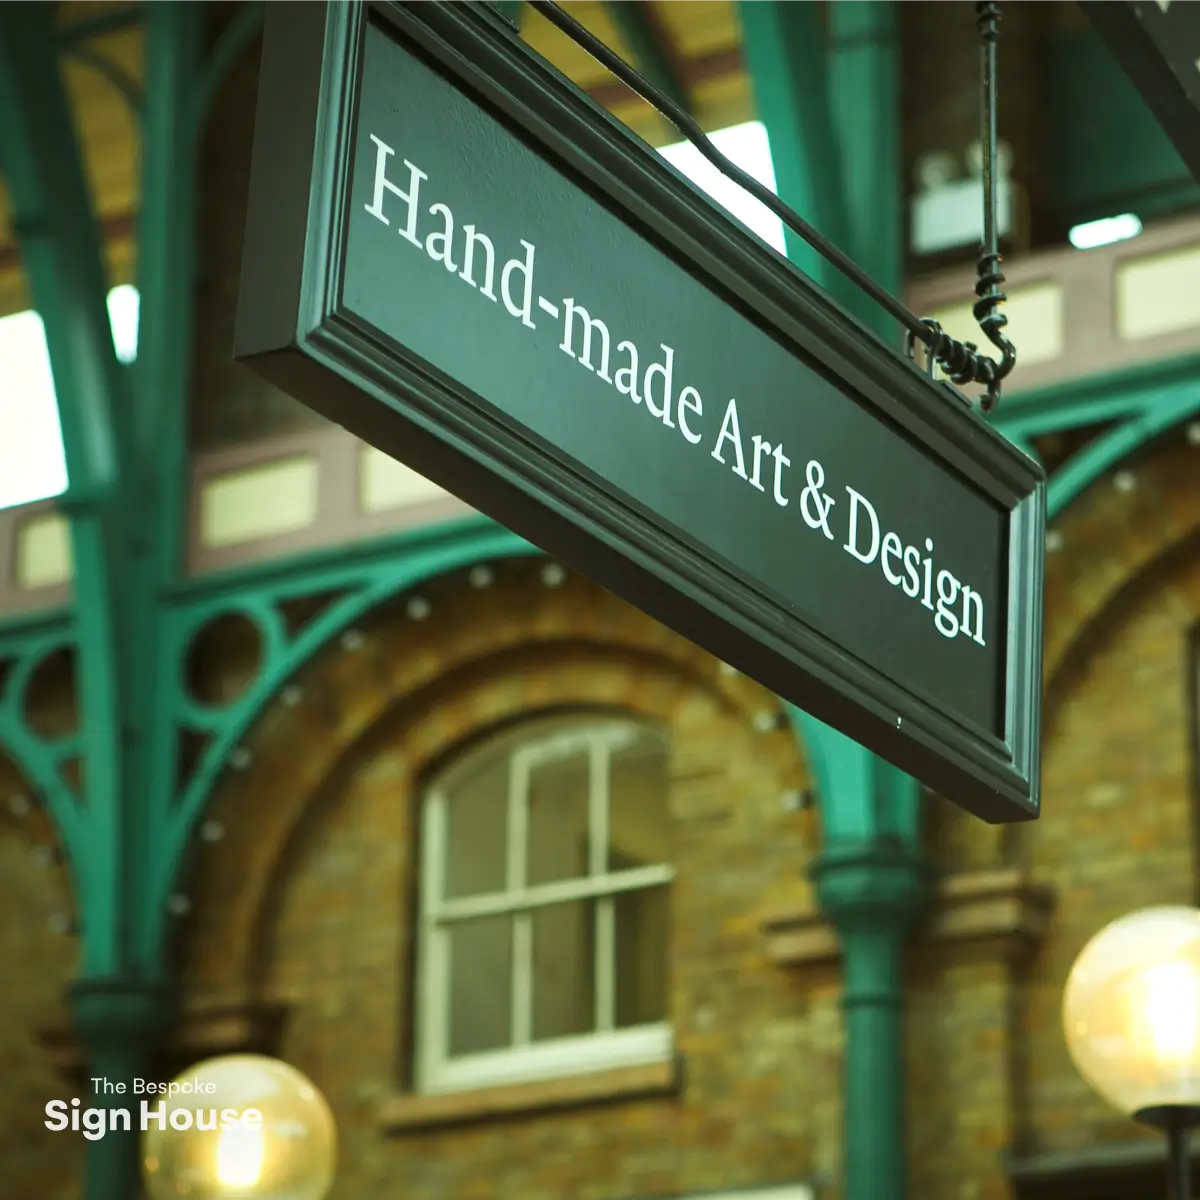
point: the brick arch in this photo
(482, 657)
(1111, 540)
(35, 891)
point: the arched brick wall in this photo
(1110, 539)
(307, 898)
(517, 647)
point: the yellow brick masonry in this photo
(308, 898)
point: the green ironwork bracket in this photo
(24, 648)
(1145, 403)
(230, 46)
(362, 580)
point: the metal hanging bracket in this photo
(962, 361)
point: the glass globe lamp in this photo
(1131, 1015)
(238, 1127)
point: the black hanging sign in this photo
(452, 252)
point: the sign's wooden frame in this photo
(293, 330)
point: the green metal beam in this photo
(1095, 399)
(784, 47)
(865, 106)
(230, 45)
(1082, 469)
(61, 250)
(94, 27)
(649, 44)
(60, 246)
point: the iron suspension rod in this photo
(961, 360)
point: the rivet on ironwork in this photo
(1124, 481)
(352, 640)
(292, 695)
(766, 721)
(212, 831)
(481, 577)
(791, 800)
(418, 608)
(18, 804)
(179, 905)
(553, 575)
(42, 854)
(61, 924)
(1054, 541)
(1193, 433)
(240, 759)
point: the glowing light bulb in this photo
(1168, 1004)
(1131, 1010)
(239, 1156)
(238, 1127)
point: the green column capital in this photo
(121, 1021)
(880, 885)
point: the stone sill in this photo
(999, 912)
(410, 1112)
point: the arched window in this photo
(542, 947)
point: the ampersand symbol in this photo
(814, 505)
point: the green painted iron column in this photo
(828, 93)
(872, 892)
(865, 95)
(873, 884)
(122, 434)
(784, 45)
(827, 89)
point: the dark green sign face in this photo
(499, 270)
(1157, 43)
(625, 378)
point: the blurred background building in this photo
(545, 900)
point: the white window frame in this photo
(524, 1060)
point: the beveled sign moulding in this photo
(455, 254)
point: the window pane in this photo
(558, 818)
(480, 984)
(640, 970)
(477, 824)
(563, 987)
(639, 830)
